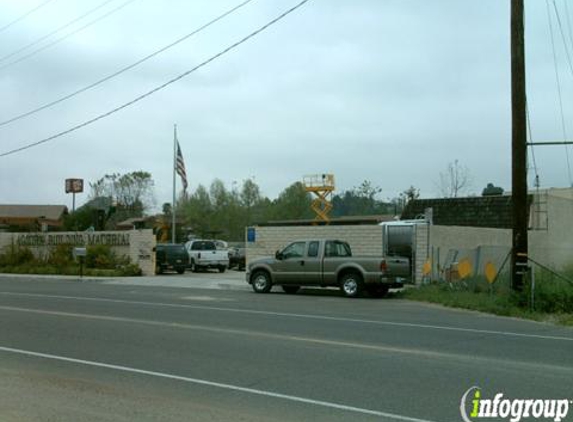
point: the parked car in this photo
(204, 254)
(237, 258)
(171, 256)
(327, 263)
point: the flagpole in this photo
(174, 181)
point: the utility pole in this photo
(519, 258)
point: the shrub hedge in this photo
(100, 261)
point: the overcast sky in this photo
(389, 91)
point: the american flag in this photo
(180, 167)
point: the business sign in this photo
(75, 239)
(74, 185)
(251, 234)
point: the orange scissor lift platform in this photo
(322, 186)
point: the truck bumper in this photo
(390, 282)
(212, 264)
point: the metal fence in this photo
(455, 265)
(487, 268)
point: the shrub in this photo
(551, 296)
(100, 261)
(130, 270)
(16, 255)
(100, 256)
(61, 255)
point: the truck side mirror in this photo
(278, 255)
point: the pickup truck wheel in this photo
(194, 267)
(351, 285)
(261, 282)
(180, 270)
(291, 290)
(222, 269)
(377, 290)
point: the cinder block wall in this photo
(421, 250)
(554, 246)
(137, 244)
(364, 240)
(142, 250)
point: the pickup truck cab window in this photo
(312, 249)
(338, 249)
(294, 250)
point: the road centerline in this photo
(300, 316)
(424, 353)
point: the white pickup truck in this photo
(204, 254)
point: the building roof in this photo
(350, 220)
(485, 211)
(133, 222)
(42, 212)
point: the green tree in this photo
(121, 196)
(407, 195)
(216, 212)
(132, 192)
(197, 211)
(252, 204)
(361, 200)
(367, 190)
(222, 208)
(410, 194)
(80, 220)
(250, 194)
(293, 203)
(219, 195)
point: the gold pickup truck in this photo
(327, 263)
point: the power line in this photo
(568, 22)
(563, 125)
(58, 40)
(55, 31)
(530, 137)
(160, 87)
(125, 69)
(24, 16)
(565, 46)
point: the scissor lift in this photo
(321, 185)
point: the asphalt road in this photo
(91, 351)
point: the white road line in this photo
(305, 316)
(215, 385)
(401, 351)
